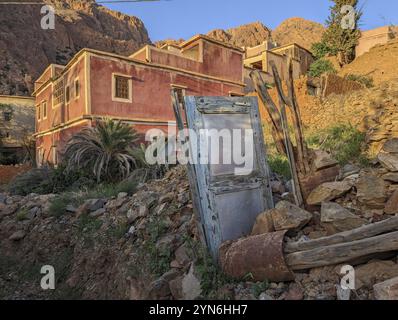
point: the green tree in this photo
(342, 33)
(108, 150)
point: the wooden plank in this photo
(342, 252)
(366, 231)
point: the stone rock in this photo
(264, 223)
(349, 170)
(295, 293)
(122, 195)
(166, 198)
(374, 272)
(277, 187)
(335, 218)
(323, 160)
(288, 216)
(392, 204)
(389, 161)
(131, 230)
(387, 290)
(95, 204)
(191, 287)
(328, 191)
(371, 190)
(265, 297)
(135, 213)
(7, 210)
(3, 198)
(97, 213)
(71, 208)
(391, 146)
(176, 288)
(181, 255)
(18, 235)
(392, 177)
(32, 213)
(159, 289)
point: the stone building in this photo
(134, 89)
(17, 124)
(259, 58)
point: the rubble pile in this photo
(146, 245)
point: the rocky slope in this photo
(298, 30)
(146, 245)
(26, 49)
(379, 63)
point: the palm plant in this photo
(108, 149)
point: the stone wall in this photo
(333, 84)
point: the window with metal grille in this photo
(38, 112)
(59, 92)
(122, 87)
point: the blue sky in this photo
(185, 18)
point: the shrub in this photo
(343, 141)
(107, 150)
(320, 67)
(280, 165)
(321, 50)
(366, 81)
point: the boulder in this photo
(371, 191)
(97, 213)
(191, 287)
(374, 272)
(323, 160)
(391, 177)
(288, 216)
(264, 223)
(389, 161)
(392, 204)
(7, 210)
(387, 290)
(391, 146)
(95, 204)
(328, 191)
(335, 218)
(18, 235)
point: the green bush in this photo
(320, 67)
(366, 81)
(280, 165)
(343, 141)
(321, 50)
(48, 179)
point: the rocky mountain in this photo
(248, 35)
(26, 49)
(298, 30)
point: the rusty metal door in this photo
(231, 193)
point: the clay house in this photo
(374, 37)
(259, 57)
(17, 125)
(134, 89)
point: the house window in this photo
(44, 107)
(7, 115)
(77, 88)
(67, 94)
(59, 92)
(122, 87)
(38, 112)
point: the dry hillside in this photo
(26, 49)
(380, 63)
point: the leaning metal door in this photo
(230, 172)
